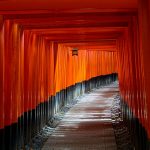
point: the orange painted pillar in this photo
(144, 22)
(1, 74)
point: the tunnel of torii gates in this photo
(37, 66)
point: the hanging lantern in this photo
(75, 52)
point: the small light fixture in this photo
(75, 52)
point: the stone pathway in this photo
(87, 125)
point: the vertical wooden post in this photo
(144, 23)
(1, 84)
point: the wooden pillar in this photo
(1, 84)
(1, 74)
(144, 29)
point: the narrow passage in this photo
(87, 125)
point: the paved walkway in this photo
(88, 125)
